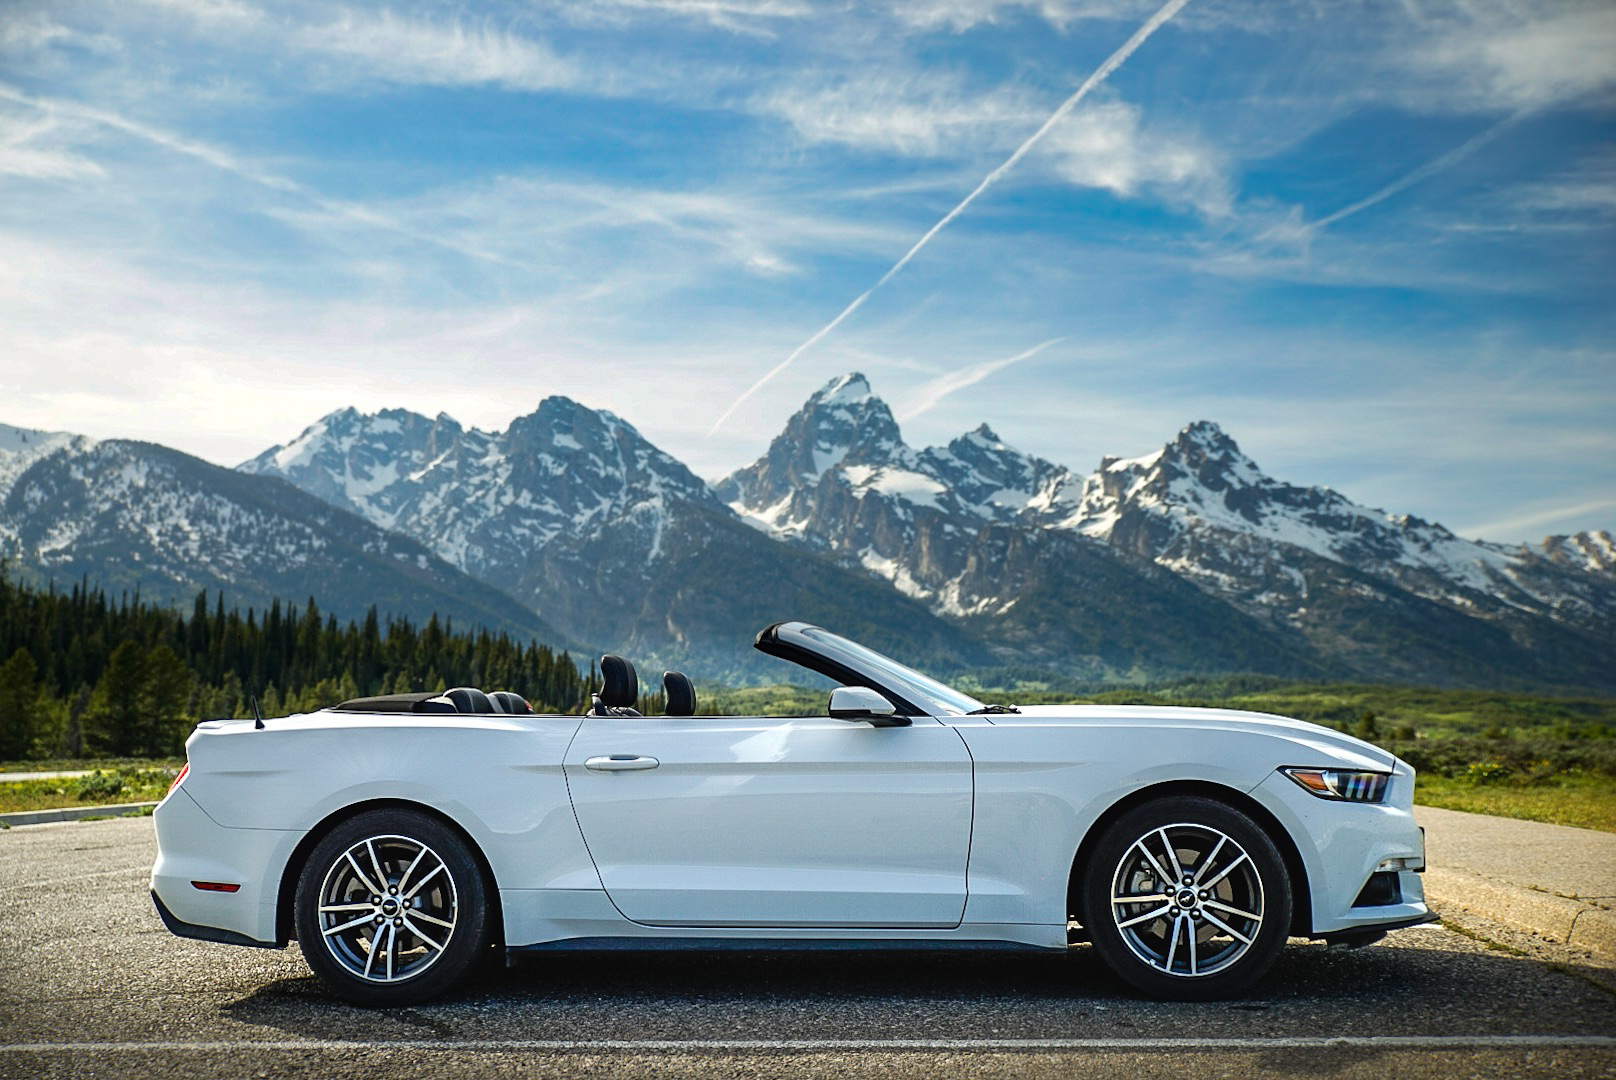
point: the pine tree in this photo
(115, 722)
(19, 705)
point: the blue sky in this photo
(1374, 241)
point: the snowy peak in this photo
(842, 425)
(21, 447)
(353, 459)
(842, 422)
(1203, 451)
(487, 502)
(1593, 551)
(991, 480)
(851, 389)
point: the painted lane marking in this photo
(1374, 1042)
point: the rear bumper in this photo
(192, 847)
(180, 928)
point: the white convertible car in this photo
(399, 838)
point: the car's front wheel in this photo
(1187, 898)
(391, 908)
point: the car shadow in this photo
(879, 994)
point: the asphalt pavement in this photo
(92, 985)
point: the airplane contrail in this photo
(941, 387)
(1112, 62)
(1429, 169)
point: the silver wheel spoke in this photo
(1172, 855)
(375, 941)
(1189, 937)
(1210, 860)
(1161, 874)
(419, 885)
(433, 919)
(409, 924)
(1225, 871)
(381, 877)
(363, 880)
(1225, 927)
(327, 909)
(392, 949)
(1172, 946)
(1232, 910)
(1146, 917)
(348, 925)
(404, 879)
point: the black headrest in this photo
(620, 687)
(507, 702)
(469, 699)
(681, 695)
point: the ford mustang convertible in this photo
(399, 839)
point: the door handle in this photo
(621, 763)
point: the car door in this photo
(795, 822)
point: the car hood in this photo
(1313, 737)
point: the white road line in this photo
(1359, 1042)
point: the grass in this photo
(143, 782)
(1586, 802)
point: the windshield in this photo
(890, 671)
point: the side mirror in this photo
(862, 703)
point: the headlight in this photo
(1347, 785)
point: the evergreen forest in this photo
(83, 673)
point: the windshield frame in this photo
(909, 690)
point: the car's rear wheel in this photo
(1187, 898)
(391, 908)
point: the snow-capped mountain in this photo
(486, 501)
(968, 555)
(572, 511)
(841, 479)
(1305, 561)
(135, 515)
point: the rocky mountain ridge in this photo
(970, 555)
(137, 516)
(1304, 561)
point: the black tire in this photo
(1214, 934)
(391, 908)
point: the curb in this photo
(1583, 924)
(73, 813)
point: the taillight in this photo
(178, 778)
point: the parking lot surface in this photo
(92, 985)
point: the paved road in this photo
(91, 984)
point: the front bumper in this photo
(1342, 845)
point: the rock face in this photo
(134, 515)
(1308, 580)
(572, 511)
(971, 555)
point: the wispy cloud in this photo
(351, 213)
(910, 112)
(930, 394)
(1112, 62)
(1525, 57)
(33, 147)
(1105, 146)
(442, 53)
